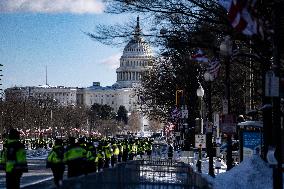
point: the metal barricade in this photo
(142, 174)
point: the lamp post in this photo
(179, 106)
(200, 94)
(209, 78)
(226, 51)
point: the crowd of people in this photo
(81, 156)
(89, 155)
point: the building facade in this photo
(135, 60)
(65, 96)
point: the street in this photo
(37, 173)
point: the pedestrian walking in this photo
(55, 162)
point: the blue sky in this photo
(35, 34)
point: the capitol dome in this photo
(135, 59)
(137, 48)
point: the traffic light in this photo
(198, 123)
(179, 98)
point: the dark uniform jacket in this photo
(15, 157)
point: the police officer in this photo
(75, 158)
(125, 150)
(55, 162)
(132, 150)
(108, 154)
(120, 147)
(14, 160)
(91, 158)
(115, 155)
(3, 152)
(141, 148)
(100, 159)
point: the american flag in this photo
(199, 56)
(214, 67)
(240, 16)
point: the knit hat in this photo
(14, 134)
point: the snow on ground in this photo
(204, 165)
(162, 174)
(252, 173)
(40, 153)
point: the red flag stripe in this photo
(235, 9)
(240, 15)
(241, 25)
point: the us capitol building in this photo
(136, 59)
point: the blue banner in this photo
(251, 143)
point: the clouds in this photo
(112, 62)
(52, 6)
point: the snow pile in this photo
(39, 153)
(205, 166)
(253, 173)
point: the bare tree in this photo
(134, 122)
(155, 125)
(108, 127)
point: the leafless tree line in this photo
(46, 118)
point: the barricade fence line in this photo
(142, 174)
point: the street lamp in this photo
(200, 91)
(226, 46)
(209, 78)
(200, 94)
(226, 51)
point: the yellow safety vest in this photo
(20, 162)
(108, 152)
(116, 150)
(53, 157)
(75, 153)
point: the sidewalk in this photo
(185, 157)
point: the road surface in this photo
(37, 174)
